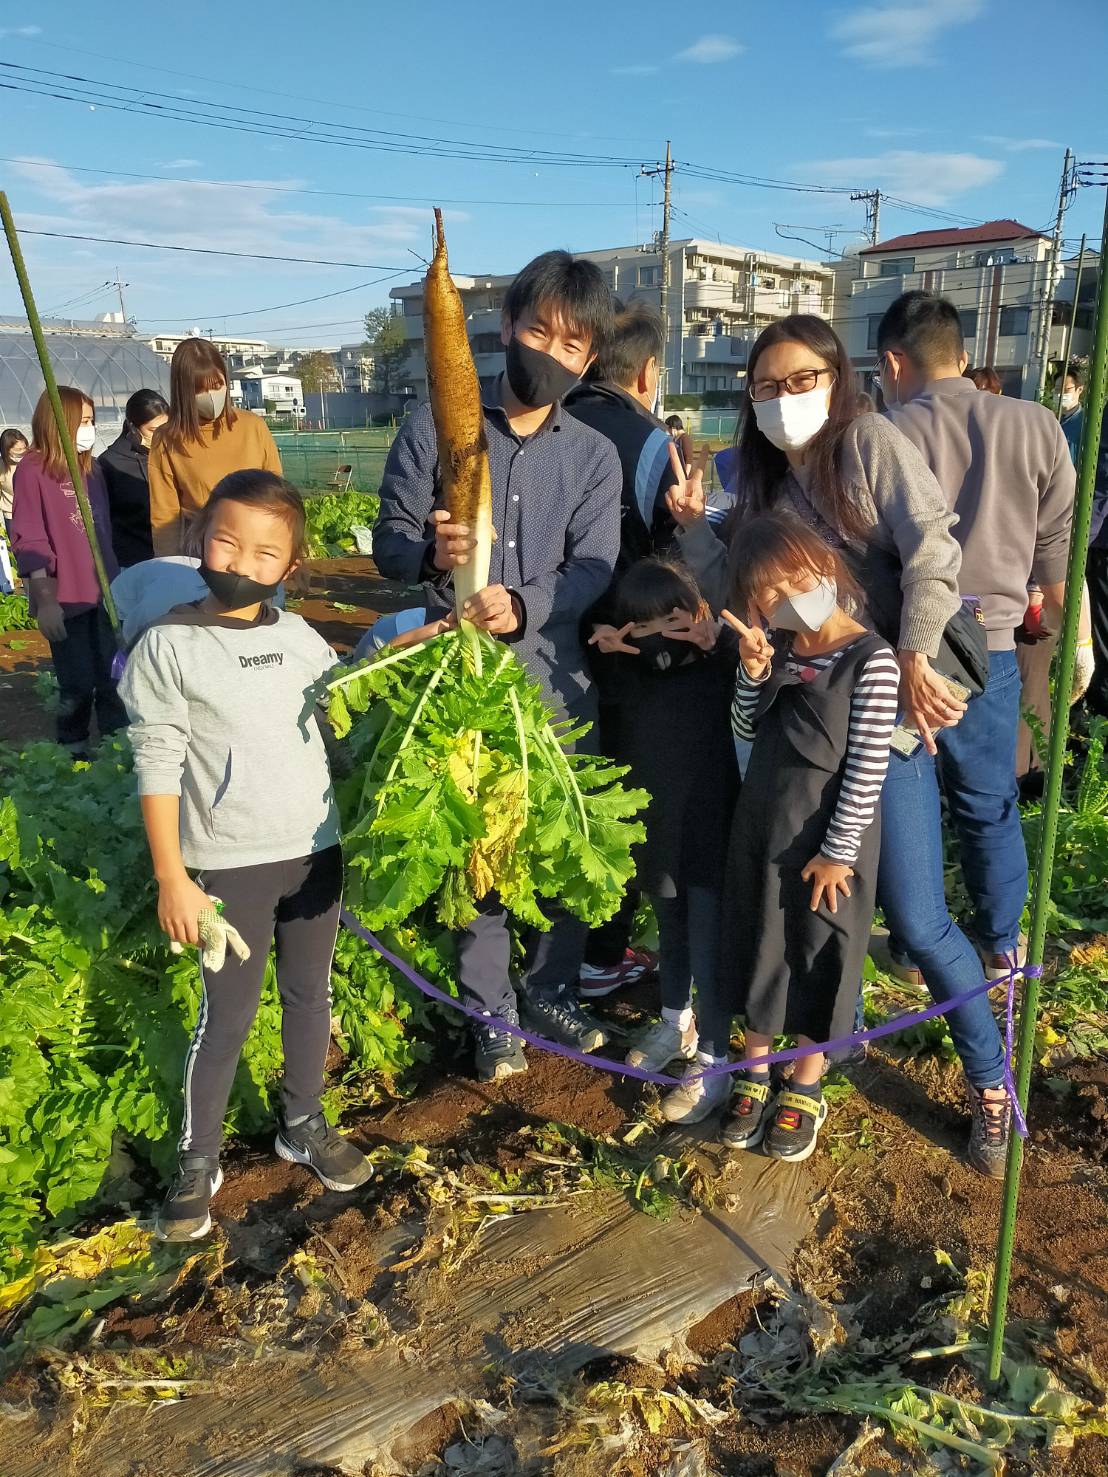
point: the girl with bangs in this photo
(817, 694)
(203, 441)
(53, 556)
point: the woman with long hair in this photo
(203, 441)
(125, 466)
(867, 491)
(53, 554)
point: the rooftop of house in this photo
(1003, 230)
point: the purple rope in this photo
(622, 1069)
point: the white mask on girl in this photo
(85, 438)
(790, 421)
(809, 610)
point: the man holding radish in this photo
(555, 515)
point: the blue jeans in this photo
(977, 763)
(688, 951)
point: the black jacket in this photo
(642, 443)
(124, 469)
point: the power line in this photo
(257, 256)
(280, 307)
(172, 179)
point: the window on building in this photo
(1014, 322)
(872, 322)
(899, 267)
(997, 257)
(968, 319)
(413, 307)
(650, 276)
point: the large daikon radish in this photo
(459, 420)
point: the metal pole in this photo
(1048, 290)
(1072, 323)
(56, 405)
(1059, 732)
(663, 377)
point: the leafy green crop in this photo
(331, 518)
(95, 1012)
(463, 785)
(15, 614)
(1077, 893)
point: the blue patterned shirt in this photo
(556, 511)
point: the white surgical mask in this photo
(791, 421)
(85, 438)
(1070, 400)
(210, 403)
(809, 610)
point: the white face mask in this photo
(85, 438)
(791, 421)
(1070, 400)
(809, 610)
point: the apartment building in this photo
(720, 298)
(354, 363)
(996, 275)
(240, 353)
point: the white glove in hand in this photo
(1082, 671)
(215, 936)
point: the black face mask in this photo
(235, 590)
(662, 654)
(537, 378)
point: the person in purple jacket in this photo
(53, 556)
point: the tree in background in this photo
(316, 371)
(386, 341)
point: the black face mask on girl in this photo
(234, 591)
(659, 652)
(537, 379)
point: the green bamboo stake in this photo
(1059, 732)
(56, 405)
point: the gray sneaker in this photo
(496, 1054)
(184, 1213)
(660, 1044)
(698, 1097)
(324, 1151)
(990, 1126)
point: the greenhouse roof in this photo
(108, 369)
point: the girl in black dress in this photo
(820, 702)
(672, 683)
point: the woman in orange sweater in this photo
(203, 440)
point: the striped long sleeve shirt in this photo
(873, 710)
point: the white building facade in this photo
(720, 298)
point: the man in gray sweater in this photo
(1006, 471)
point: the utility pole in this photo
(663, 368)
(119, 285)
(1066, 191)
(873, 213)
(1072, 324)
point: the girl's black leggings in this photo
(297, 904)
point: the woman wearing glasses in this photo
(866, 490)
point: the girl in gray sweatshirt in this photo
(235, 789)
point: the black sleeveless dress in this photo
(786, 969)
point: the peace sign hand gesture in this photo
(685, 499)
(755, 650)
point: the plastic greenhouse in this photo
(108, 369)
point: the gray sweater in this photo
(1005, 469)
(908, 516)
(222, 714)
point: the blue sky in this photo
(934, 102)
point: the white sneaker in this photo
(697, 1097)
(662, 1043)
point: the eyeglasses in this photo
(793, 384)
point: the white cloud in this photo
(1018, 145)
(180, 163)
(190, 213)
(900, 34)
(711, 49)
(642, 69)
(24, 31)
(927, 179)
